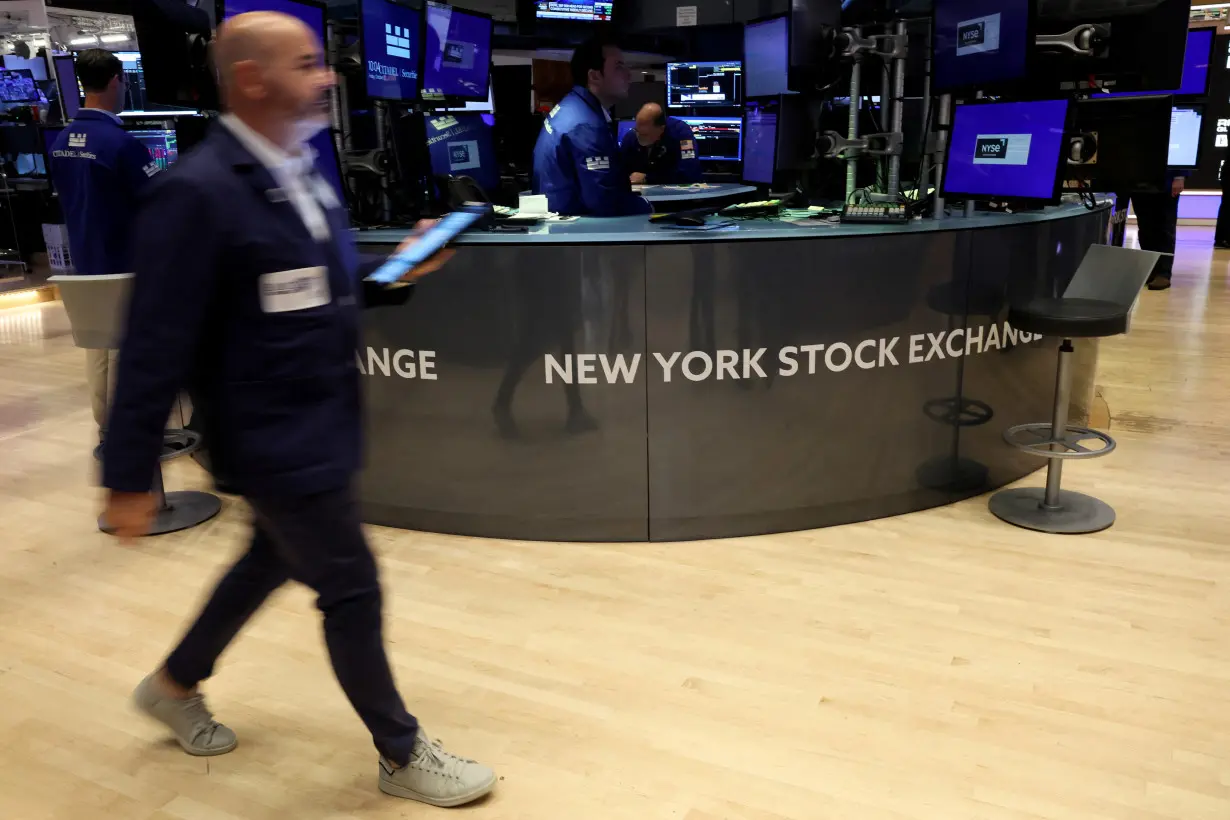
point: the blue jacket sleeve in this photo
(174, 287)
(605, 186)
(688, 169)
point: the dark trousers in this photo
(1157, 222)
(1222, 236)
(318, 541)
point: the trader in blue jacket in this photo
(248, 291)
(577, 162)
(661, 150)
(100, 171)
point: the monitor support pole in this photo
(382, 145)
(856, 91)
(943, 126)
(896, 107)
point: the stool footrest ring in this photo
(1040, 440)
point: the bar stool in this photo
(1098, 303)
(97, 307)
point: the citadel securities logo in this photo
(722, 365)
(978, 36)
(397, 41)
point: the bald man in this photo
(247, 291)
(661, 150)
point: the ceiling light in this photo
(83, 41)
(114, 38)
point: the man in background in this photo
(577, 162)
(1157, 225)
(661, 150)
(248, 290)
(100, 171)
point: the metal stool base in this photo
(1078, 513)
(183, 510)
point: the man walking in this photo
(247, 292)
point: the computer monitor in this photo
(66, 83)
(37, 66)
(704, 85)
(1140, 49)
(718, 139)
(134, 80)
(162, 144)
(392, 50)
(17, 86)
(310, 12)
(625, 127)
(1133, 138)
(463, 145)
(328, 163)
(766, 57)
(760, 120)
(981, 44)
(1185, 124)
(457, 55)
(1197, 58)
(1014, 150)
(486, 106)
(587, 11)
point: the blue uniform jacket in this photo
(670, 160)
(99, 170)
(278, 386)
(577, 162)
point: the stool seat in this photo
(1070, 318)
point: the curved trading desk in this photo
(609, 380)
(699, 194)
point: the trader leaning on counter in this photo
(577, 161)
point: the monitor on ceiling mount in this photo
(311, 12)
(17, 86)
(984, 45)
(391, 50)
(1197, 58)
(582, 11)
(457, 54)
(766, 57)
(704, 85)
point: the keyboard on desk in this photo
(875, 214)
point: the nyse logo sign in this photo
(978, 36)
(993, 148)
(463, 156)
(1002, 149)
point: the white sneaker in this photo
(436, 777)
(189, 720)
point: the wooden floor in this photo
(940, 666)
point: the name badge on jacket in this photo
(288, 290)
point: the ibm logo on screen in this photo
(397, 41)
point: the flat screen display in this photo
(766, 57)
(458, 54)
(1196, 59)
(134, 80)
(463, 145)
(1007, 150)
(66, 82)
(311, 14)
(717, 138)
(392, 50)
(589, 11)
(162, 145)
(704, 85)
(17, 86)
(1185, 126)
(981, 42)
(760, 142)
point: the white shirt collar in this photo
(114, 117)
(274, 158)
